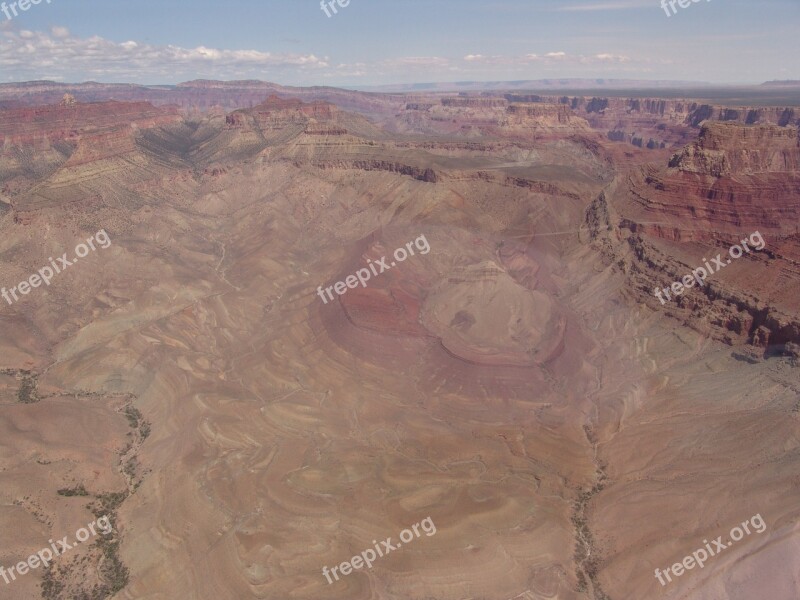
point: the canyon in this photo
(520, 383)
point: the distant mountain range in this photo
(542, 84)
(204, 95)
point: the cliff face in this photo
(730, 176)
(634, 120)
(655, 122)
(474, 102)
(82, 132)
(276, 113)
(79, 145)
(731, 182)
(474, 117)
(321, 134)
(29, 125)
(724, 149)
(603, 111)
(37, 141)
(547, 114)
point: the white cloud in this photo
(417, 61)
(611, 57)
(28, 55)
(549, 57)
(618, 5)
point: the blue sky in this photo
(374, 42)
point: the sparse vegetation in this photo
(27, 393)
(130, 467)
(78, 490)
(136, 421)
(114, 572)
(107, 503)
(104, 553)
(98, 573)
(51, 585)
(134, 416)
(587, 555)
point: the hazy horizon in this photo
(381, 43)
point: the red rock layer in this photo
(733, 181)
(27, 126)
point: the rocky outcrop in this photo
(546, 114)
(514, 98)
(476, 117)
(42, 124)
(688, 112)
(277, 112)
(419, 173)
(474, 102)
(733, 181)
(724, 149)
(656, 123)
(316, 129)
(419, 106)
(37, 141)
